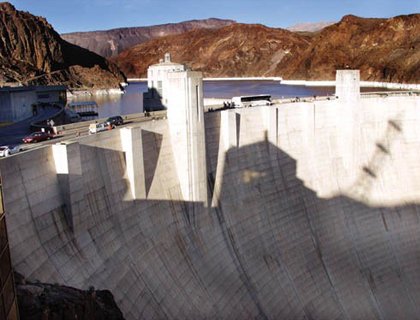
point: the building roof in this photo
(166, 61)
(160, 64)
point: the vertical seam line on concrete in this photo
(227, 234)
(316, 244)
(359, 260)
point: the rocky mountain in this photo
(232, 51)
(383, 49)
(54, 302)
(31, 52)
(309, 26)
(110, 43)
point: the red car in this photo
(37, 137)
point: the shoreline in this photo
(244, 79)
(221, 79)
(97, 92)
(309, 83)
(364, 84)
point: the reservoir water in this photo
(131, 101)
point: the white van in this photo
(252, 101)
(98, 127)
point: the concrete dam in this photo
(306, 210)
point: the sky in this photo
(89, 15)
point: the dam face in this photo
(310, 211)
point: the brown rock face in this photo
(54, 302)
(31, 52)
(383, 49)
(233, 51)
(111, 42)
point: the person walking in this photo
(51, 124)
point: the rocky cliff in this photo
(233, 51)
(31, 52)
(383, 49)
(111, 42)
(54, 302)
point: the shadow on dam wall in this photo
(270, 249)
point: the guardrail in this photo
(379, 94)
(220, 107)
(384, 94)
(304, 99)
(126, 118)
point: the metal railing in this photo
(384, 94)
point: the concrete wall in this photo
(21, 103)
(186, 123)
(50, 96)
(15, 106)
(8, 300)
(5, 108)
(16, 102)
(314, 215)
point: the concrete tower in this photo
(347, 85)
(186, 122)
(156, 96)
(347, 89)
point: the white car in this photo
(9, 150)
(98, 127)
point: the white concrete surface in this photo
(314, 212)
(347, 86)
(132, 145)
(157, 80)
(186, 123)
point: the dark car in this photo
(37, 137)
(115, 121)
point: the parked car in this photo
(98, 127)
(115, 120)
(37, 137)
(6, 151)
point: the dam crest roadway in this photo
(306, 210)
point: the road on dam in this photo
(13, 134)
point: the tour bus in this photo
(251, 101)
